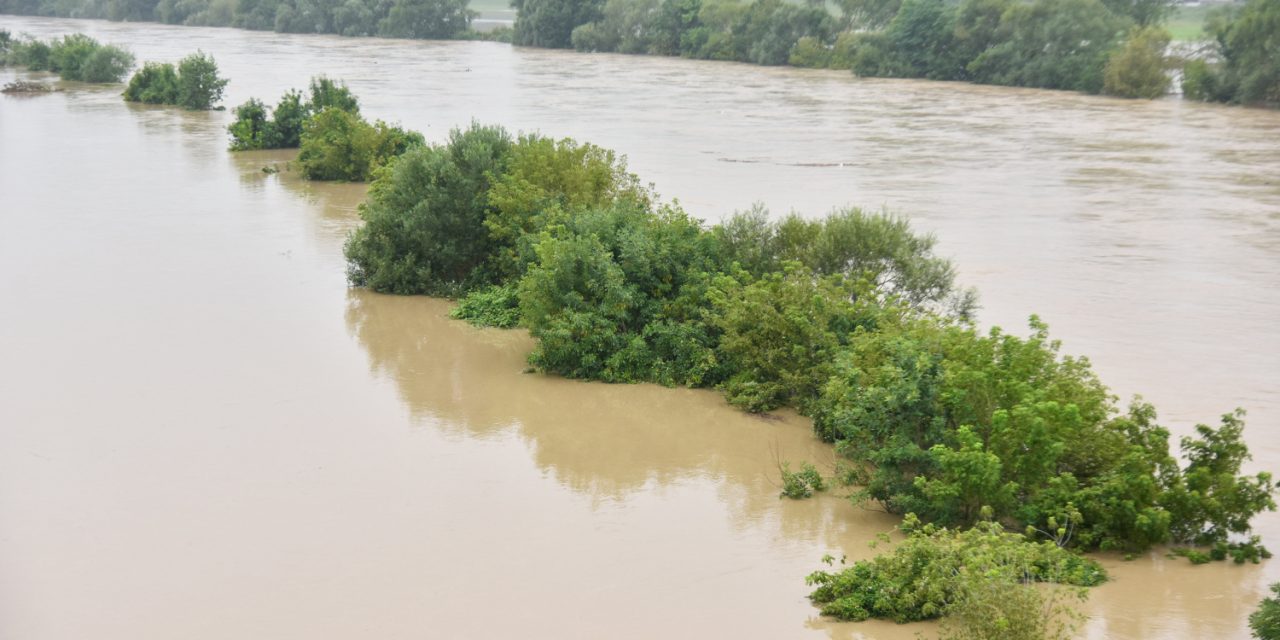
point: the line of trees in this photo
(73, 57)
(335, 142)
(1245, 64)
(1116, 47)
(852, 319)
(431, 19)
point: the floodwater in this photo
(205, 434)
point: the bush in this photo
(199, 87)
(1265, 621)
(106, 64)
(74, 57)
(154, 83)
(424, 220)
(496, 306)
(1137, 70)
(937, 569)
(339, 145)
(282, 128)
(802, 483)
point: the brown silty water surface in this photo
(205, 434)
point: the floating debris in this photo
(22, 86)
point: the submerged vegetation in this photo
(194, 84)
(336, 142)
(852, 319)
(73, 57)
(1015, 456)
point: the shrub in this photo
(802, 483)
(154, 83)
(495, 306)
(199, 87)
(935, 569)
(74, 57)
(1137, 70)
(1265, 621)
(327, 93)
(339, 145)
(424, 220)
(106, 64)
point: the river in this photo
(205, 434)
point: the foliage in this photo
(424, 220)
(612, 295)
(779, 334)
(281, 128)
(154, 83)
(1138, 69)
(1265, 621)
(339, 145)
(936, 570)
(550, 23)
(494, 306)
(73, 57)
(801, 484)
(878, 250)
(389, 18)
(987, 609)
(1249, 71)
(1209, 500)
(199, 87)
(545, 183)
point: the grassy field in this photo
(1187, 23)
(491, 5)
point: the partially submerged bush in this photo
(154, 83)
(496, 306)
(1265, 621)
(339, 145)
(73, 57)
(802, 483)
(199, 86)
(256, 127)
(935, 568)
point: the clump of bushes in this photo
(335, 142)
(194, 84)
(801, 484)
(339, 145)
(494, 306)
(935, 569)
(73, 57)
(257, 127)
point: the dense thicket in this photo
(73, 57)
(1265, 620)
(850, 318)
(435, 19)
(1055, 44)
(1247, 65)
(194, 84)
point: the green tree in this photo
(1265, 621)
(339, 145)
(154, 83)
(550, 23)
(199, 87)
(1137, 70)
(1053, 44)
(1145, 13)
(424, 220)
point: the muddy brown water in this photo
(205, 434)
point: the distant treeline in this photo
(433, 19)
(1096, 46)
